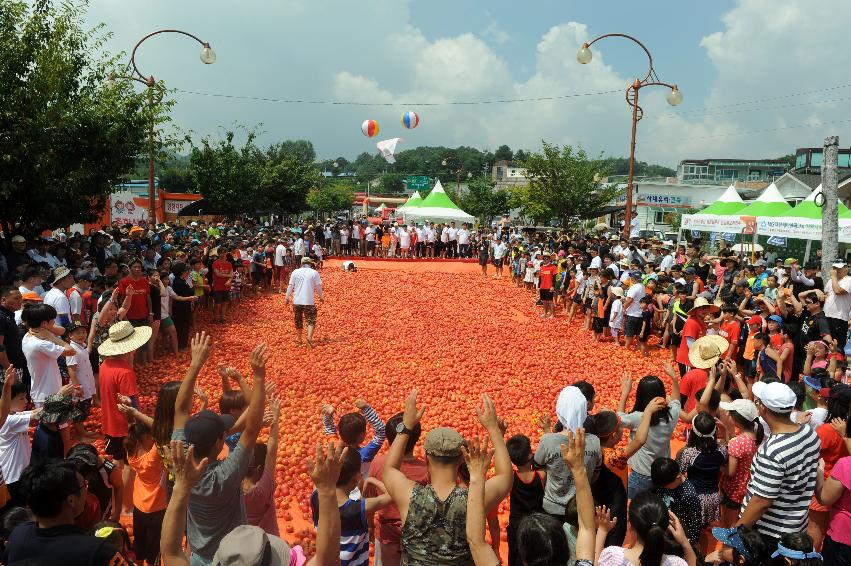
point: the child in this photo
(679, 495)
(743, 546)
(259, 484)
(82, 375)
(765, 355)
(352, 430)
(232, 402)
(753, 328)
(648, 311)
(616, 316)
(529, 279)
(236, 283)
(199, 281)
(730, 330)
(527, 491)
(817, 381)
(701, 460)
(319, 253)
(740, 452)
(15, 446)
(149, 492)
(354, 530)
(57, 410)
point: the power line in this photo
(759, 109)
(357, 103)
(751, 132)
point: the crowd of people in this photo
(758, 399)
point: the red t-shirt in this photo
(116, 377)
(787, 364)
(546, 276)
(692, 382)
(90, 306)
(389, 521)
(222, 283)
(776, 340)
(139, 290)
(693, 328)
(730, 330)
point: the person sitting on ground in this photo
(56, 493)
(348, 266)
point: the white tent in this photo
(437, 207)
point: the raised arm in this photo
(675, 380)
(259, 358)
(573, 452)
(398, 485)
(186, 475)
(377, 425)
(6, 398)
(325, 471)
(478, 459)
(654, 406)
(626, 387)
(201, 345)
(499, 484)
(274, 434)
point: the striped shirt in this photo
(784, 471)
(367, 452)
(354, 530)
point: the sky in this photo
(760, 78)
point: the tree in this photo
(564, 183)
(66, 136)
(175, 180)
(331, 198)
(227, 176)
(521, 155)
(503, 153)
(300, 149)
(285, 184)
(482, 201)
(392, 183)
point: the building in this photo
(508, 174)
(726, 171)
(796, 184)
(657, 199)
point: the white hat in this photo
(571, 408)
(60, 272)
(617, 291)
(707, 350)
(124, 338)
(744, 407)
(776, 396)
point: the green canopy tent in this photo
(413, 201)
(808, 208)
(727, 204)
(770, 203)
(437, 206)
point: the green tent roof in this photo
(769, 203)
(414, 201)
(438, 198)
(728, 204)
(808, 208)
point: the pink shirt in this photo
(613, 556)
(260, 504)
(743, 448)
(840, 512)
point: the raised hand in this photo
(626, 383)
(200, 346)
(361, 404)
(328, 410)
(259, 359)
(186, 471)
(605, 522)
(573, 451)
(487, 414)
(545, 422)
(324, 470)
(477, 456)
(655, 405)
(412, 415)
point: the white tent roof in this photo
(812, 196)
(771, 194)
(438, 206)
(730, 195)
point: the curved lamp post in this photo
(457, 171)
(132, 72)
(674, 98)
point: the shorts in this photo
(497, 262)
(221, 297)
(632, 326)
(166, 322)
(114, 446)
(370, 246)
(85, 408)
(302, 311)
(648, 324)
(729, 503)
(483, 260)
(598, 324)
(577, 299)
(546, 294)
(147, 529)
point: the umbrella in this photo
(747, 247)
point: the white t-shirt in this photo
(453, 234)
(58, 300)
(317, 249)
(370, 234)
(347, 265)
(667, 262)
(421, 234)
(404, 239)
(838, 306)
(431, 235)
(48, 259)
(75, 301)
(280, 253)
(596, 261)
(303, 282)
(634, 227)
(165, 302)
(344, 236)
(499, 250)
(636, 292)
(355, 232)
(444, 235)
(85, 374)
(463, 236)
(298, 248)
(616, 316)
(15, 449)
(42, 359)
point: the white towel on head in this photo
(571, 408)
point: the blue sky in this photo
(721, 53)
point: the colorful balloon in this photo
(369, 128)
(410, 120)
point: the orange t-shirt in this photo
(730, 330)
(149, 489)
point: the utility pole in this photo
(829, 211)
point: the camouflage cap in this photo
(445, 442)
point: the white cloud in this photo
(496, 34)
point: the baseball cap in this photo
(31, 296)
(761, 263)
(247, 544)
(744, 407)
(776, 318)
(790, 261)
(778, 397)
(839, 262)
(205, 428)
(690, 270)
(732, 538)
(444, 442)
(83, 275)
(742, 283)
(19, 239)
(755, 319)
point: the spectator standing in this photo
(837, 302)
(304, 284)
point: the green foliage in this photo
(249, 180)
(563, 183)
(66, 136)
(620, 166)
(482, 201)
(331, 198)
(392, 183)
(503, 153)
(789, 158)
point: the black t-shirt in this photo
(12, 338)
(65, 545)
(702, 271)
(156, 304)
(813, 327)
(798, 287)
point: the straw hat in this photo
(124, 338)
(705, 306)
(707, 350)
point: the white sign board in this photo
(123, 210)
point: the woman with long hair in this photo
(662, 425)
(181, 309)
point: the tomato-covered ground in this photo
(439, 326)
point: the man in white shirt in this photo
(431, 236)
(837, 302)
(464, 241)
(83, 280)
(634, 224)
(596, 261)
(632, 309)
(421, 241)
(356, 239)
(280, 262)
(444, 241)
(63, 280)
(39, 253)
(299, 250)
(453, 240)
(404, 241)
(498, 249)
(370, 240)
(304, 282)
(667, 261)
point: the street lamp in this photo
(674, 98)
(457, 173)
(131, 72)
